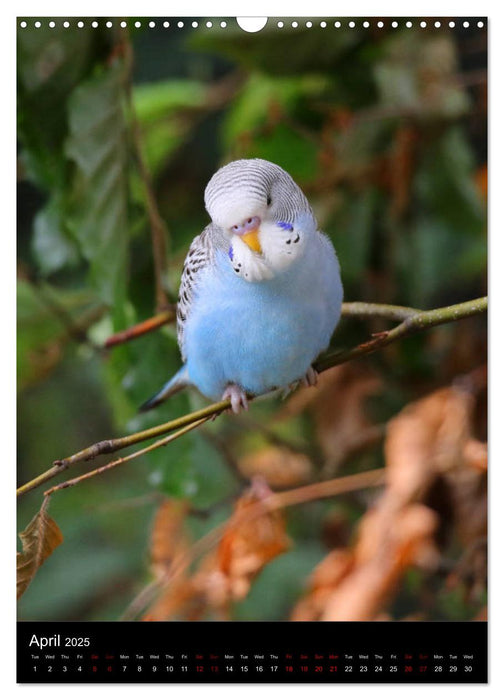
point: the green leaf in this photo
(41, 335)
(51, 62)
(353, 229)
(52, 245)
(252, 106)
(445, 185)
(98, 145)
(291, 149)
(287, 52)
(160, 109)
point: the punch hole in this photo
(252, 24)
(323, 25)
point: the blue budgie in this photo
(261, 292)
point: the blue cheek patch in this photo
(285, 226)
(230, 253)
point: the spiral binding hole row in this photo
(380, 24)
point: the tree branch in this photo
(413, 322)
(355, 309)
(159, 231)
(139, 329)
(128, 458)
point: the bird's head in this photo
(255, 200)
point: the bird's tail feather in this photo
(172, 386)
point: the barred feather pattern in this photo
(199, 257)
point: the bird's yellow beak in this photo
(251, 238)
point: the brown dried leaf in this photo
(323, 581)
(279, 466)
(168, 537)
(39, 539)
(169, 542)
(247, 545)
(375, 574)
(427, 438)
(476, 455)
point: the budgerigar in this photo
(261, 291)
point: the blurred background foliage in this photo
(385, 131)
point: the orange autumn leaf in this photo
(169, 542)
(168, 536)
(323, 581)
(249, 542)
(428, 440)
(279, 466)
(248, 545)
(362, 594)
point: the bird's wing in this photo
(199, 257)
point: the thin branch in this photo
(356, 309)
(123, 460)
(363, 309)
(139, 329)
(412, 324)
(159, 231)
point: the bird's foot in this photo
(310, 378)
(237, 397)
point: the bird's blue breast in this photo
(262, 335)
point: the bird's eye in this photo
(268, 201)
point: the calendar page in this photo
(252, 350)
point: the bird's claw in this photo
(237, 397)
(310, 378)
